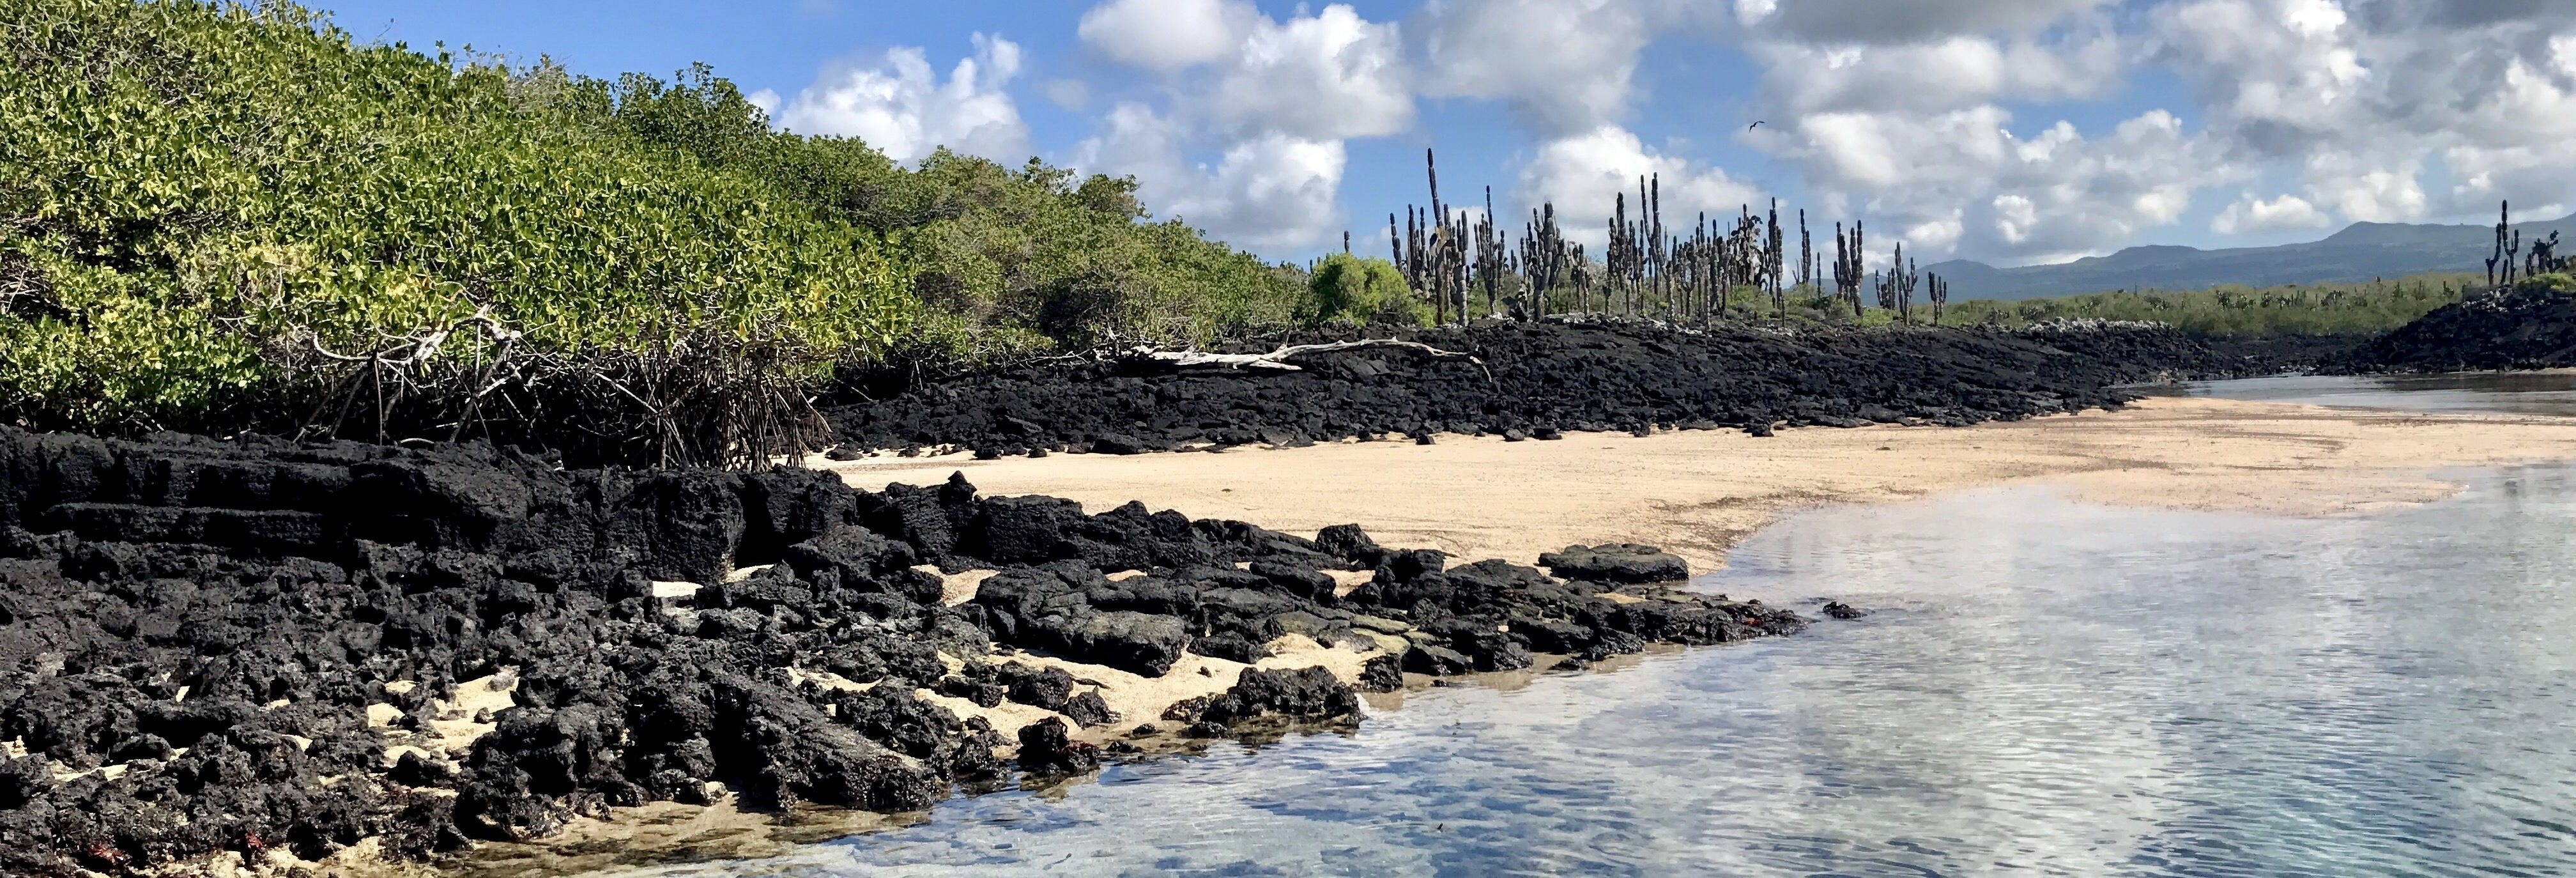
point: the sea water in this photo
(2044, 687)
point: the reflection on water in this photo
(2522, 393)
(2047, 688)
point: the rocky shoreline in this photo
(262, 651)
(259, 652)
(2507, 330)
(1539, 381)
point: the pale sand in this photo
(1698, 493)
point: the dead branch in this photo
(1278, 360)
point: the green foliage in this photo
(1012, 260)
(2554, 281)
(1360, 291)
(2298, 309)
(197, 200)
(222, 217)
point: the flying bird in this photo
(1757, 123)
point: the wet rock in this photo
(1616, 564)
(1046, 748)
(1436, 661)
(1381, 673)
(1306, 694)
(1840, 610)
(1485, 647)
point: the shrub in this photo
(215, 216)
(219, 218)
(1353, 290)
(2295, 309)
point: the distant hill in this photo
(2358, 253)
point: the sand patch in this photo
(453, 724)
(1699, 493)
(1137, 699)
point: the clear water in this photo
(2522, 393)
(2046, 688)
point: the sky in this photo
(2008, 131)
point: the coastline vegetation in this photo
(217, 217)
(224, 218)
(2237, 310)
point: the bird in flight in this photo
(1757, 123)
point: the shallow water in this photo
(2523, 393)
(2046, 688)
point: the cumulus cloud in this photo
(2285, 213)
(1566, 66)
(1935, 119)
(1327, 76)
(901, 106)
(1962, 179)
(1269, 190)
(1879, 21)
(1167, 34)
(1248, 140)
(1942, 74)
(1584, 174)
(2362, 95)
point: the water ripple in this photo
(2048, 689)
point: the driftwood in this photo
(1278, 360)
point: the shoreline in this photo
(1478, 499)
(2272, 458)
(1699, 493)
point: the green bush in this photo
(217, 217)
(1012, 261)
(1360, 291)
(2296, 309)
(2554, 281)
(202, 205)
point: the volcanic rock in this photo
(1616, 564)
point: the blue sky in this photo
(2011, 131)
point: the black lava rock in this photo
(286, 587)
(1616, 564)
(1307, 694)
(1047, 749)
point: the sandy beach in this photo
(1699, 493)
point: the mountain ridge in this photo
(2357, 252)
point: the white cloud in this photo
(2285, 213)
(1331, 75)
(1068, 94)
(1270, 190)
(1566, 66)
(1247, 139)
(2360, 95)
(1961, 180)
(1168, 34)
(1881, 21)
(902, 108)
(1944, 74)
(1585, 174)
